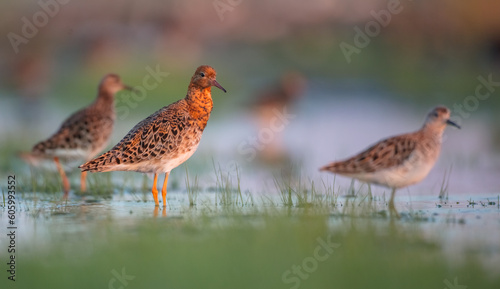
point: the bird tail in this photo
(30, 158)
(103, 163)
(335, 167)
(325, 168)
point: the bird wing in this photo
(78, 131)
(385, 154)
(155, 136)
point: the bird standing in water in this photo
(398, 161)
(82, 135)
(166, 138)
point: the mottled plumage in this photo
(165, 139)
(398, 161)
(84, 134)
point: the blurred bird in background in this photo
(269, 104)
(82, 135)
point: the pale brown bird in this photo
(166, 138)
(398, 161)
(82, 135)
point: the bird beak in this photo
(216, 84)
(449, 122)
(130, 88)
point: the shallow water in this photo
(458, 224)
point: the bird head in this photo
(439, 118)
(111, 83)
(204, 77)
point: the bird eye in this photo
(435, 114)
(202, 74)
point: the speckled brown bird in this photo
(166, 138)
(398, 161)
(82, 135)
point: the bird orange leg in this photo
(164, 190)
(83, 184)
(63, 177)
(155, 191)
(392, 207)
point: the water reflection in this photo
(157, 209)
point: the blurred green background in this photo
(426, 53)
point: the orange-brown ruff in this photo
(398, 161)
(165, 139)
(84, 134)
